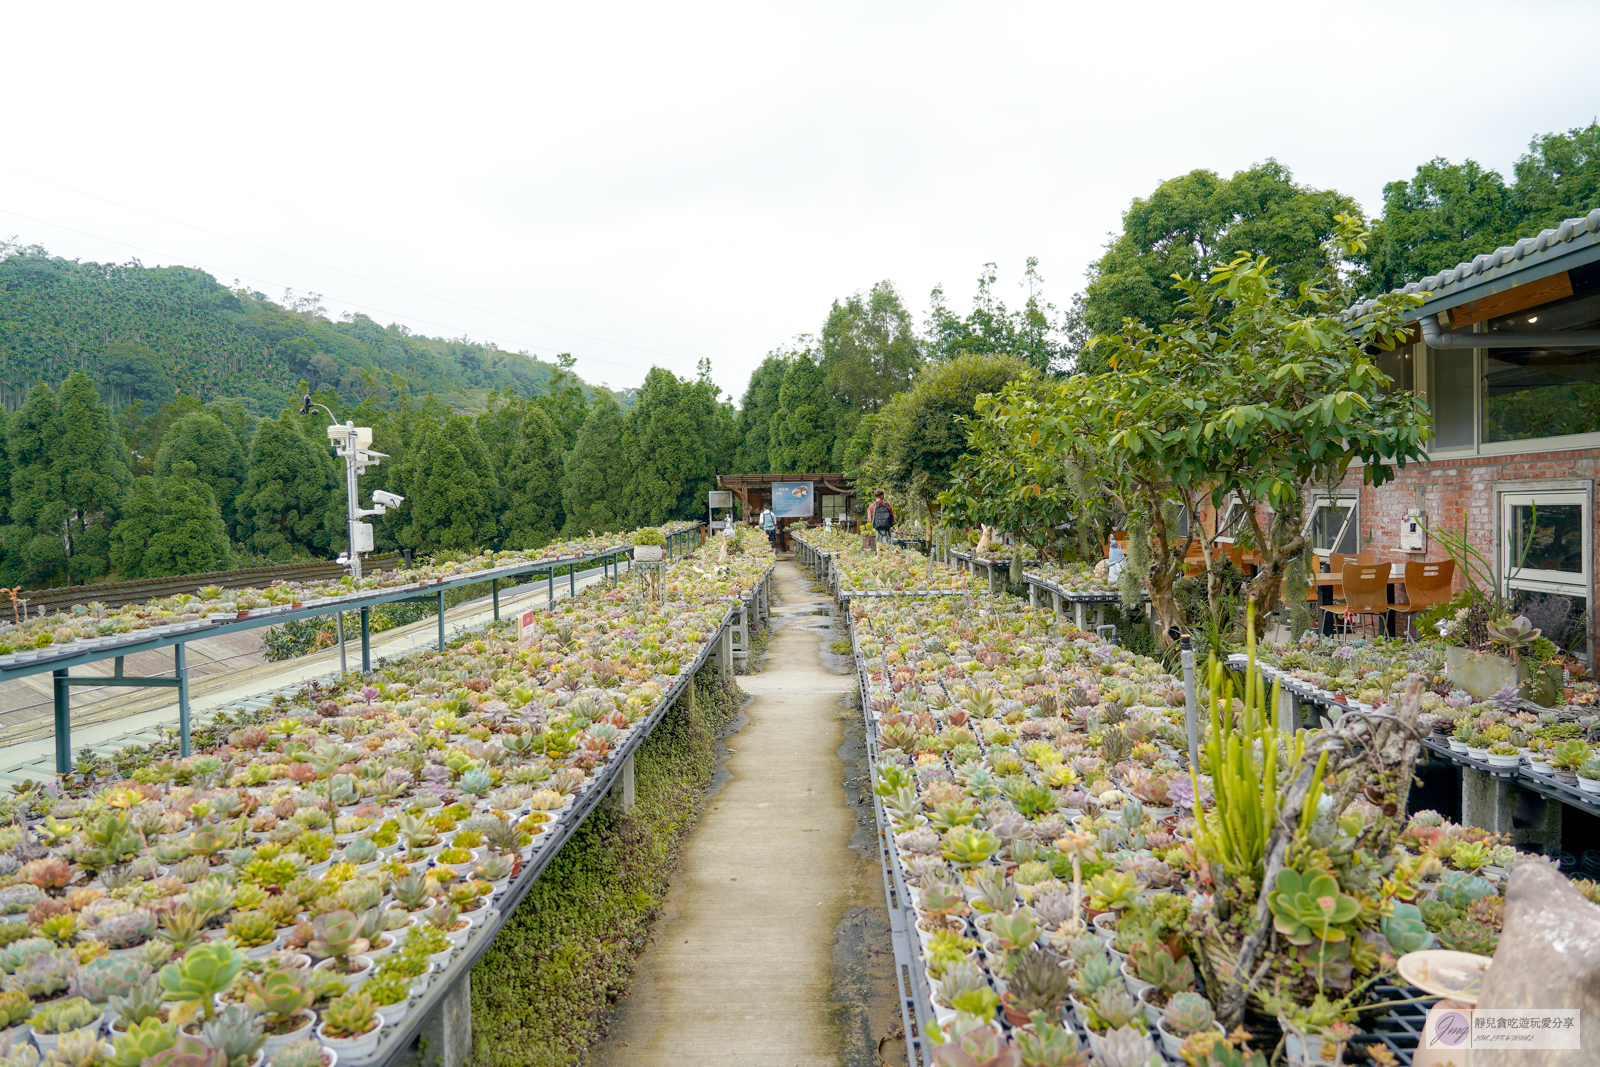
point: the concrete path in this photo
(743, 966)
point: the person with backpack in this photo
(881, 515)
(769, 524)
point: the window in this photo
(1399, 364)
(1450, 397)
(1543, 392)
(833, 506)
(1332, 524)
(1543, 544)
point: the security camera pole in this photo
(351, 444)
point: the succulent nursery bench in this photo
(404, 812)
(849, 570)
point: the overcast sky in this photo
(657, 183)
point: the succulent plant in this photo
(14, 1007)
(1016, 931)
(17, 1054)
(967, 847)
(1126, 1047)
(1038, 982)
(141, 1041)
(253, 929)
(303, 1053)
(18, 953)
(1459, 890)
(237, 1032)
(1045, 1044)
(59, 1016)
(1113, 1008)
(181, 929)
(188, 1052)
(16, 899)
(1187, 1013)
(337, 934)
(1309, 907)
(194, 983)
(1094, 974)
(360, 851)
(108, 976)
(46, 974)
(1515, 634)
(1470, 935)
(410, 891)
(126, 931)
(1405, 930)
(495, 867)
(281, 995)
(212, 896)
(77, 1048)
(1113, 891)
(348, 1016)
(142, 1002)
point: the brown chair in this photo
(1366, 591)
(1427, 586)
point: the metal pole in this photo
(495, 585)
(352, 499)
(441, 620)
(550, 589)
(1189, 716)
(181, 669)
(64, 723)
(572, 580)
(366, 640)
(338, 625)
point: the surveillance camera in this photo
(388, 500)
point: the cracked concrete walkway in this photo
(741, 970)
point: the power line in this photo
(269, 282)
(341, 270)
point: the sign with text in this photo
(792, 500)
(528, 628)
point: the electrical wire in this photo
(520, 345)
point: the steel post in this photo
(338, 626)
(366, 639)
(550, 589)
(495, 585)
(441, 620)
(63, 700)
(180, 668)
(1190, 718)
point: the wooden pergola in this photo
(755, 492)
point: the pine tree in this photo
(532, 483)
(292, 500)
(170, 525)
(88, 457)
(450, 488)
(757, 414)
(35, 548)
(802, 441)
(678, 435)
(596, 472)
(202, 439)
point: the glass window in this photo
(1333, 525)
(1544, 537)
(1399, 365)
(1543, 392)
(1450, 389)
(833, 506)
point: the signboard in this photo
(721, 498)
(528, 628)
(792, 500)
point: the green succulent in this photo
(142, 1040)
(106, 976)
(1187, 1013)
(1113, 891)
(1038, 982)
(1309, 907)
(1154, 964)
(980, 1002)
(142, 1002)
(252, 929)
(188, 1052)
(1459, 889)
(1045, 1044)
(303, 1053)
(14, 1007)
(1405, 929)
(283, 995)
(1095, 973)
(237, 1032)
(966, 847)
(348, 1016)
(17, 954)
(1113, 1008)
(46, 974)
(59, 1016)
(193, 984)
(1016, 931)
(1469, 935)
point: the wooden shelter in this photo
(834, 497)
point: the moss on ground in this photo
(543, 992)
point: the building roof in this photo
(1572, 244)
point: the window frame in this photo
(1565, 493)
(1352, 518)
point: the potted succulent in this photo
(194, 984)
(1589, 775)
(306, 1052)
(1038, 982)
(350, 1025)
(239, 1034)
(1186, 1014)
(1315, 1034)
(1565, 759)
(337, 942)
(1463, 733)
(1504, 755)
(141, 1041)
(255, 931)
(141, 1003)
(15, 1007)
(49, 1021)
(283, 997)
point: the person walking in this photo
(769, 524)
(882, 518)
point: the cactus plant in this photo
(348, 1016)
(193, 984)
(147, 1038)
(142, 1002)
(237, 1032)
(59, 1016)
(1309, 907)
(1187, 1013)
(107, 976)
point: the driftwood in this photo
(1381, 749)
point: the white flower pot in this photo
(353, 1048)
(1510, 762)
(1135, 985)
(1479, 754)
(1588, 785)
(1458, 746)
(1171, 1044)
(354, 980)
(275, 1042)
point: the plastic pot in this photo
(353, 1048)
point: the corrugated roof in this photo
(1453, 286)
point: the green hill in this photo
(146, 333)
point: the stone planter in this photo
(1481, 674)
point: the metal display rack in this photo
(822, 565)
(1082, 603)
(60, 659)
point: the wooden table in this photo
(1330, 587)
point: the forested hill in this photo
(146, 333)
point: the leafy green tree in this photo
(130, 372)
(564, 401)
(1032, 333)
(757, 413)
(202, 440)
(450, 488)
(1445, 215)
(919, 434)
(1558, 178)
(678, 435)
(596, 474)
(802, 431)
(171, 525)
(1194, 224)
(869, 351)
(292, 502)
(532, 483)
(88, 458)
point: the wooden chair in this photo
(1366, 591)
(1427, 586)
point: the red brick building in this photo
(1508, 360)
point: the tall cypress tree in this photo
(170, 525)
(801, 441)
(202, 439)
(596, 472)
(757, 415)
(292, 500)
(35, 548)
(450, 488)
(89, 458)
(532, 483)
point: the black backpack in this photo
(882, 516)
